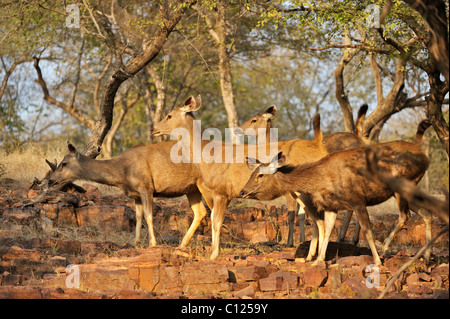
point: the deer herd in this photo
(323, 175)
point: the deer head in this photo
(260, 120)
(68, 170)
(178, 117)
(263, 176)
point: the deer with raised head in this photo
(142, 172)
(333, 183)
(251, 127)
(332, 142)
(221, 181)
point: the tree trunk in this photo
(386, 106)
(438, 90)
(151, 50)
(434, 13)
(218, 32)
(160, 102)
(341, 95)
(226, 84)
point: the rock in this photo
(15, 253)
(248, 291)
(356, 287)
(32, 193)
(351, 261)
(281, 280)
(66, 216)
(315, 277)
(247, 273)
(259, 238)
(419, 288)
(334, 279)
(8, 292)
(105, 216)
(21, 216)
(424, 277)
(440, 270)
(413, 278)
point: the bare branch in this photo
(67, 108)
(377, 78)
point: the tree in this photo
(218, 31)
(401, 35)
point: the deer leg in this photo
(301, 220)
(317, 235)
(196, 203)
(147, 202)
(427, 218)
(139, 215)
(217, 216)
(330, 219)
(355, 238)
(403, 217)
(314, 241)
(344, 228)
(292, 206)
(363, 217)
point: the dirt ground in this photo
(79, 246)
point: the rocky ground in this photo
(78, 246)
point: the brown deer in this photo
(142, 172)
(333, 183)
(332, 142)
(251, 127)
(221, 181)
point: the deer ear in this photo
(71, 148)
(252, 163)
(198, 103)
(278, 160)
(271, 112)
(53, 166)
(191, 104)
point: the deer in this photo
(334, 183)
(263, 120)
(219, 182)
(142, 173)
(333, 142)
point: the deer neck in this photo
(297, 178)
(100, 171)
(267, 139)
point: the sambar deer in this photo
(142, 172)
(333, 183)
(262, 122)
(220, 181)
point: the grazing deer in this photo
(142, 172)
(333, 183)
(219, 182)
(332, 142)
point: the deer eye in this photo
(63, 164)
(169, 116)
(260, 176)
(253, 121)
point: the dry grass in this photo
(28, 162)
